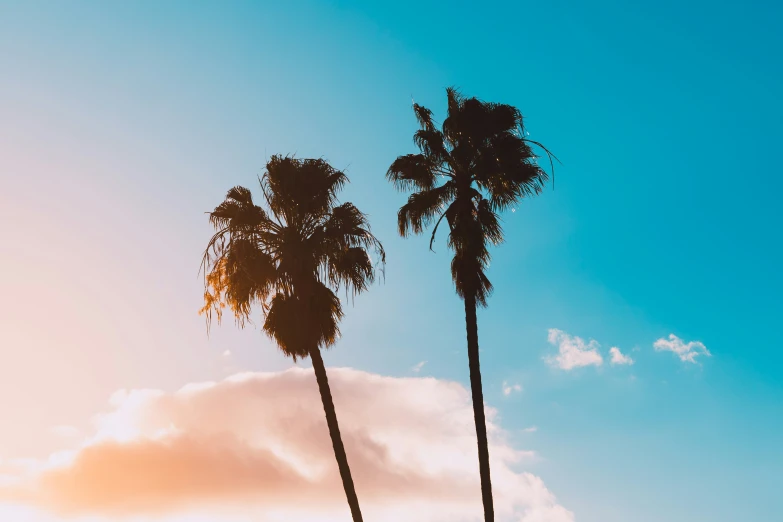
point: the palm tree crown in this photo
(476, 165)
(291, 257)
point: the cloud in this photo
(418, 366)
(508, 389)
(531, 429)
(573, 352)
(618, 357)
(253, 446)
(687, 352)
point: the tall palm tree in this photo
(289, 260)
(476, 165)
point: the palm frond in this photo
(412, 172)
(300, 323)
(454, 100)
(352, 269)
(238, 210)
(432, 144)
(452, 124)
(489, 223)
(241, 195)
(344, 246)
(507, 171)
(346, 225)
(422, 207)
(424, 117)
(301, 189)
(549, 155)
(241, 275)
(467, 236)
(469, 279)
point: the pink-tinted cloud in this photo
(573, 351)
(509, 388)
(619, 357)
(258, 442)
(687, 352)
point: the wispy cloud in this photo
(687, 352)
(618, 357)
(531, 429)
(410, 442)
(508, 388)
(573, 352)
(418, 366)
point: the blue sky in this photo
(664, 218)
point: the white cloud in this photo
(618, 357)
(227, 353)
(508, 389)
(418, 366)
(573, 352)
(252, 446)
(687, 352)
(531, 429)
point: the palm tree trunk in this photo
(334, 433)
(478, 406)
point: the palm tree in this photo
(476, 165)
(289, 259)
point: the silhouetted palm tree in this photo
(290, 259)
(476, 165)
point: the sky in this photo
(630, 356)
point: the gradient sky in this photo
(122, 123)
